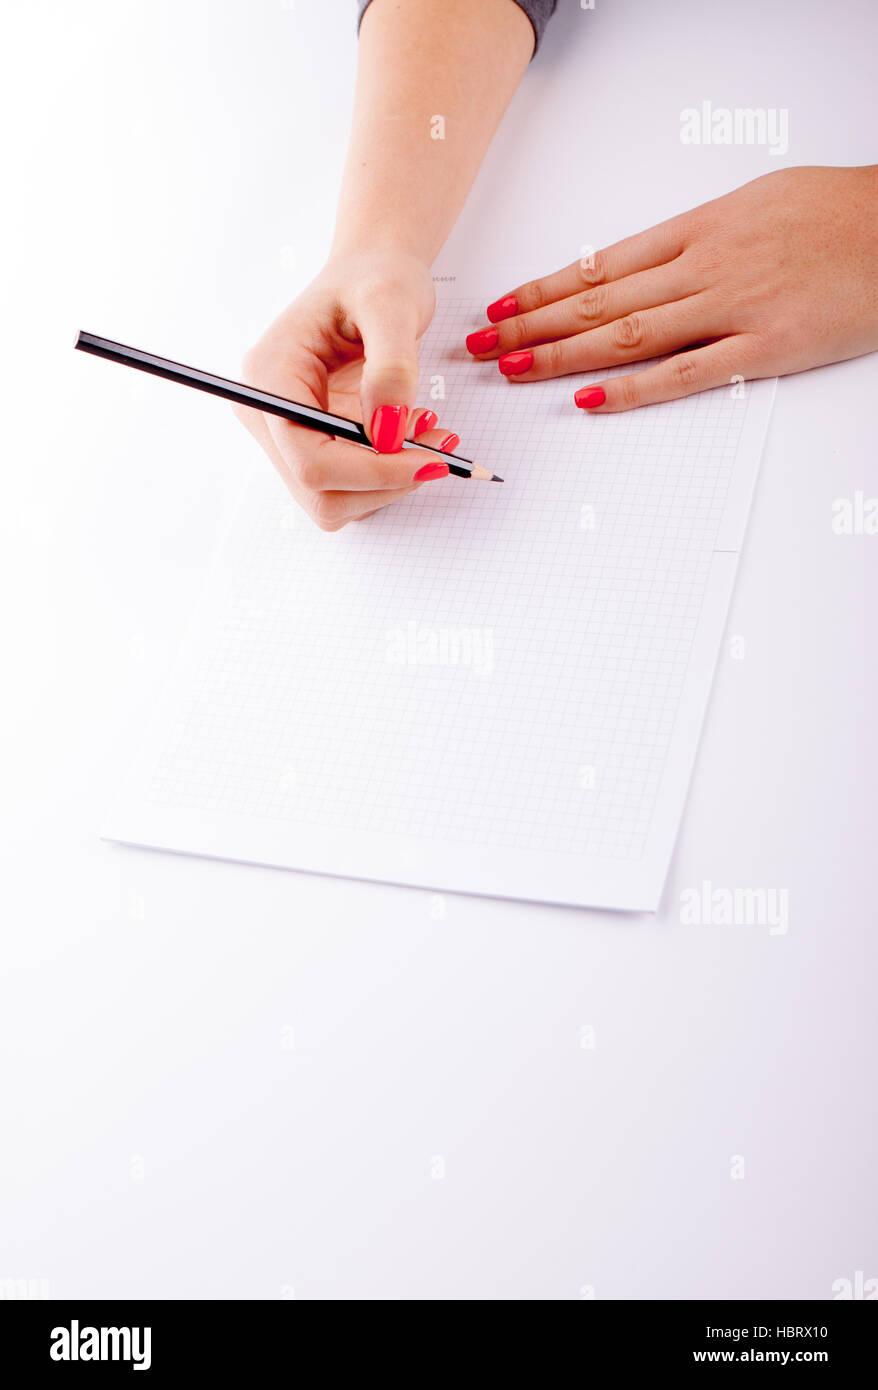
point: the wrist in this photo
(371, 240)
(365, 259)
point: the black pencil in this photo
(299, 414)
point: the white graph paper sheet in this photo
(488, 689)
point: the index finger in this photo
(315, 461)
(320, 463)
(654, 247)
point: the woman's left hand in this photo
(779, 276)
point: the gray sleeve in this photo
(539, 12)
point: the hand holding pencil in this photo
(303, 415)
(348, 345)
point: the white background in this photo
(226, 1081)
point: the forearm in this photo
(433, 80)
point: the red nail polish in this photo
(449, 443)
(503, 308)
(513, 363)
(431, 470)
(388, 428)
(590, 396)
(484, 341)
(424, 422)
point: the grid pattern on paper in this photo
(492, 663)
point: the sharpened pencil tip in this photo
(482, 475)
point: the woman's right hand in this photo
(348, 345)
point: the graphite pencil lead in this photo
(483, 474)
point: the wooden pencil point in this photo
(484, 475)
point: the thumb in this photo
(390, 373)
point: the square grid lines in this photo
(480, 662)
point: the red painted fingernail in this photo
(388, 428)
(590, 396)
(424, 422)
(431, 470)
(484, 341)
(502, 308)
(449, 443)
(512, 363)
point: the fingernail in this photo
(484, 341)
(503, 308)
(388, 428)
(590, 396)
(449, 443)
(424, 422)
(431, 470)
(513, 363)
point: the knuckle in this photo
(514, 334)
(533, 295)
(554, 358)
(593, 269)
(685, 370)
(629, 390)
(394, 366)
(629, 332)
(590, 306)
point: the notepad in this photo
(483, 688)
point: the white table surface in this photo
(225, 1081)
